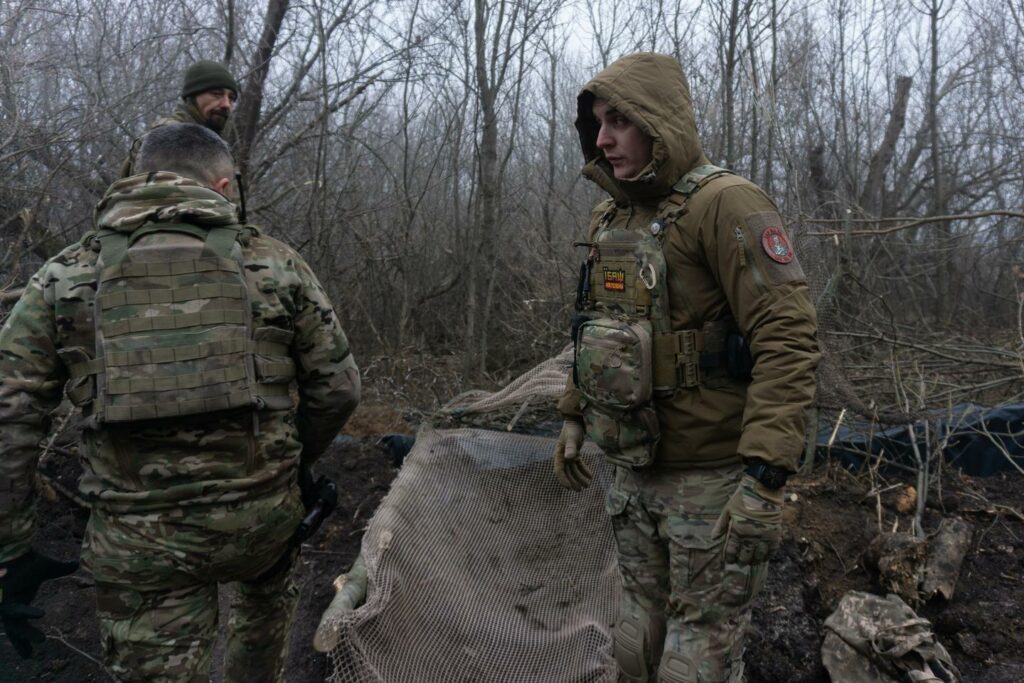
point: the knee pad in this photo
(675, 668)
(639, 639)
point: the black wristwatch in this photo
(771, 476)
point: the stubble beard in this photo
(216, 122)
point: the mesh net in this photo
(545, 381)
(482, 568)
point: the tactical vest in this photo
(175, 333)
(626, 352)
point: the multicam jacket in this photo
(175, 462)
(727, 256)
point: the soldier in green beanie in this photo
(208, 96)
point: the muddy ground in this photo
(830, 523)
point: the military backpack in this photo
(174, 330)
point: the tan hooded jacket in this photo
(724, 259)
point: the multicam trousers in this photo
(156, 589)
(675, 580)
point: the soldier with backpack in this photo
(694, 363)
(212, 372)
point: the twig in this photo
(912, 223)
(59, 637)
(838, 556)
(922, 480)
(63, 490)
(995, 510)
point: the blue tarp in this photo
(982, 440)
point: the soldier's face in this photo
(625, 146)
(216, 106)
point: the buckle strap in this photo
(681, 357)
(93, 366)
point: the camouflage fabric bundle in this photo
(871, 639)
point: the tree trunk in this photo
(874, 187)
(251, 98)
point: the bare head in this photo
(189, 150)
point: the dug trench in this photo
(828, 526)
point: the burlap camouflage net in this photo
(482, 568)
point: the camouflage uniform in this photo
(181, 504)
(681, 600)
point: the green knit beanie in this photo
(206, 75)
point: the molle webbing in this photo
(685, 358)
(165, 268)
(177, 321)
(171, 296)
(175, 334)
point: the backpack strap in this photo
(220, 240)
(113, 246)
(697, 177)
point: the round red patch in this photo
(776, 245)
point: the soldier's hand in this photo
(751, 523)
(19, 582)
(570, 470)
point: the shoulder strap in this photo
(696, 178)
(218, 241)
(113, 246)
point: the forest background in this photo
(420, 154)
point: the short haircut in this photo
(187, 149)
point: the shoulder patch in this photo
(776, 244)
(776, 257)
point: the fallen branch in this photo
(909, 222)
(63, 490)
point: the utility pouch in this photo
(627, 439)
(613, 369)
(614, 363)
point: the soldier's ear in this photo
(221, 185)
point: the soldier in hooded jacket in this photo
(208, 96)
(187, 489)
(695, 359)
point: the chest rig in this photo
(626, 352)
(174, 330)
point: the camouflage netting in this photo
(482, 568)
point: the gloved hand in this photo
(19, 582)
(570, 471)
(751, 522)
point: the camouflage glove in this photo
(570, 471)
(751, 522)
(19, 582)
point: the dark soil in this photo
(829, 525)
